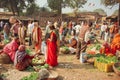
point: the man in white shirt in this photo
(103, 29)
(30, 29)
(77, 28)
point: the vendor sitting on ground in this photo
(73, 40)
(73, 43)
(22, 60)
(11, 48)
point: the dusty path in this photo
(68, 69)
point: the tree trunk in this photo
(12, 9)
(15, 7)
(60, 7)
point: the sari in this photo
(21, 34)
(37, 38)
(10, 49)
(52, 50)
(22, 60)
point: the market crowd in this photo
(74, 35)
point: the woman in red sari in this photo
(11, 48)
(52, 48)
(37, 36)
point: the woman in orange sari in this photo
(52, 48)
(36, 37)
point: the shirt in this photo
(77, 28)
(30, 28)
(103, 27)
(87, 36)
(83, 31)
(15, 28)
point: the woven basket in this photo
(115, 66)
(4, 59)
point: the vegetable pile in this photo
(45, 66)
(6, 41)
(94, 49)
(33, 76)
(103, 58)
(37, 60)
(107, 59)
(29, 68)
(105, 63)
(95, 55)
(64, 50)
(97, 46)
(28, 51)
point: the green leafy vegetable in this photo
(107, 59)
(28, 51)
(6, 41)
(33, 76)
(30, 68)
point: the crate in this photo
(105, 67)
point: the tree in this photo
(100, 11)
(16, 6)
(112, 3)
(55, 5)
(33, 9)
(8, 4)
(75, 4)
(58, 4)
(44, 9)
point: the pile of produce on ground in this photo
(105, 63)
(43, 74)
(33, 76)
(64, 50)
(91, 57)
(39, 67)
(38, 61)
(94, 48)
(30, 68)
(102, 61)
(6, 41)
(107, 49)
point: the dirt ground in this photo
(69, 68)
